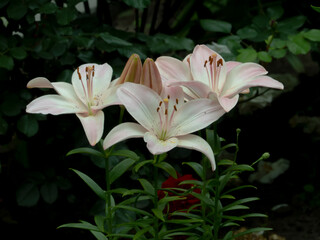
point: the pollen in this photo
(79, 75)
(219, 62)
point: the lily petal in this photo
(100, 82)
(196, 89)
(195, 142)
(196, 114)
(157, 146)
(122, 132)
(93, 126)
(172, 69)
(141, 102)
(228, 103)
(54, 104)
(64, 89)
(108, 98)
(247, 75)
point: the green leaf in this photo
(254, 215)
(6, 62)
(85, 150)
(17, 10)
(158, 213)
(28, 125)
(48, 8)
(292, 23)
(241, 168)
(247, 33)
(27, 195)
(58, 49)
(247, 55)
(296, 63)
(225, 162)
(49, 192)
(215, 26)
(108, 38)
(236, 204)
(196, 167)
(313, 35)
(126, 153)
(99, 235)
(298, 45)
(65, 15)
(278, 43)
(141, 232)
(18, 53)
(82, 225)
(204, 199)
(3, 126)
(259, 229)
(168, 168)
(137, 3)
(147, 186)
(12, 105)
(92, 184)
(264, 56)
(3, 3)
(278, 53)
(100, 221)
(120, 169)
(141, 164)
(275, 12)
(317, 9)
(133, 209)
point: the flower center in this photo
(213, 68)
(88, 89)
(166, 110)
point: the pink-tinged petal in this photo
(123, 132)
(197, 143)
(186, 60)
(231, 64)
(200, 64)
(239, 77)
(64, 89)
(157, 146)
(39, 82)
(100, 81)
(195, 115)
(108, 98)
(142, 103)
(93, 126)
(132, 70)
(54, 104)
(172, 69)
(228, 103)
(150, 76)
(196, 89)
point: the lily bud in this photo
(150, 76)
(132, 70)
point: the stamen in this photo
(175, 108)
(160, 103)
(205, 63)
(166, 100)
(79, 75)
(158, 109)
(168, 96)
(219, 62)
(177, 101)
(166, 112)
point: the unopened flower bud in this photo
(132, 70)
(150, 76)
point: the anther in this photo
(158, 109)
(160, 103)
(168, 96)
(219, 62)
(205, 63)
(166, 112)
(177, 101)
(175, 108)
(79, 75)
(92, 70)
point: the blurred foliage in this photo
(51, 38)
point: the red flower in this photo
(186, 201)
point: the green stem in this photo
(155, 199)
(216, 215)
(108, 196)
